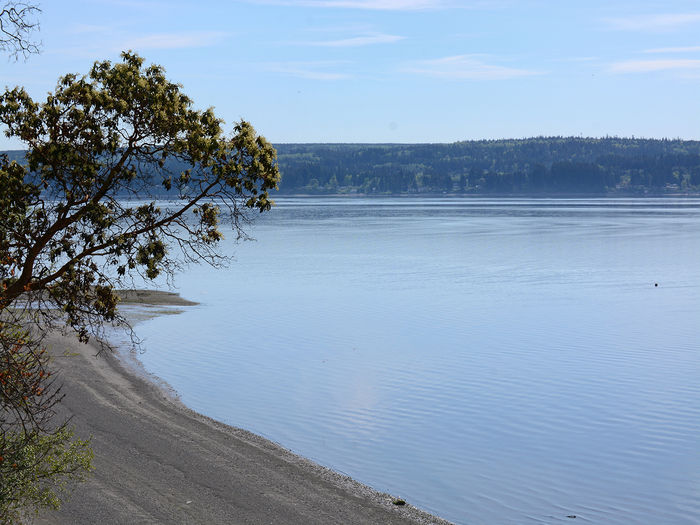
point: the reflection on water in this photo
(492, 361)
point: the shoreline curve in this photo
(157, 461)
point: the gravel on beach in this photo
(156, 461)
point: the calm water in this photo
(491, 361)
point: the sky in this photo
(397, 70)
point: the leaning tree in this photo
(79, 217)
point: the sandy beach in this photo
(158, 462)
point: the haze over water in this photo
(491, 361)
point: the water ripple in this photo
(493, 362)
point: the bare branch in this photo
(16, 27)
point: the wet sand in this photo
(156, 461)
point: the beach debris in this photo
(399, 501)
(188, 502)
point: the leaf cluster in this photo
(37, 457)
(68, 237)
(36, 469)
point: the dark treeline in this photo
(535, 165)
(565, 165)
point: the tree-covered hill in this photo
(534, 165)
(540, 165)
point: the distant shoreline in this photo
(160, 462)
(555, 165)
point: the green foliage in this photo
(534, 165)
(35, 470)
(37, 458)
(68, 239)
(549, 165)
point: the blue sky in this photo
(398, 70)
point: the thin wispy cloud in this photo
(137, 4)
(658, 22)
(313, 70)
(174, 40)
(375, 5)
(575, 59)
(464, 67)
(80, 29)
(689, 49)
(359, 41)
(650, 66)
